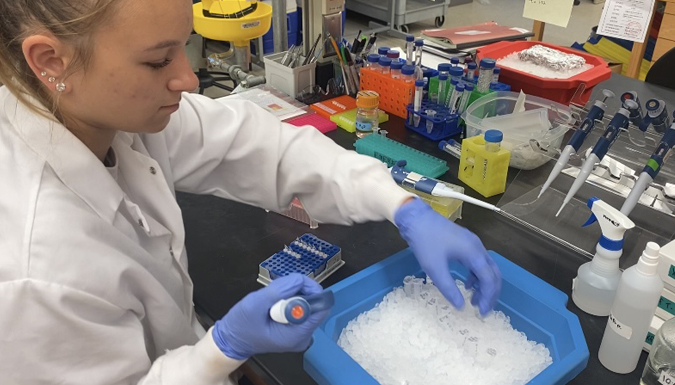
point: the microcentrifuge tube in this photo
(430, 123)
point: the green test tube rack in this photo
(390, 151)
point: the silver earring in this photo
(51, 79)
(43, 73)
(60, 87)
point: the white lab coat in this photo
(94, 286)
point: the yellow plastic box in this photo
(482, 170)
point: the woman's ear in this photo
(47, 57)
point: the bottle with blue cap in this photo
(483, 164)
(456, 73)
(596, 282)
(385, 65)
(373, 62)
(493, 140)
(454, 61)
(485, 75)
(444, 68)
(396, 67)
(382, 51)
(408, 74)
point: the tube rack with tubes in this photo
(307, 255)
(440, 125)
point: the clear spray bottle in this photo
(594, 287)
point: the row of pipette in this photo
(630, 112)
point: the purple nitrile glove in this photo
(436, 241)
(247, 328)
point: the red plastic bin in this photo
(559, 90)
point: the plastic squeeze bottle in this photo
(634, 304)
(594, 287)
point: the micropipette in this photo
(660, 155)
(596, 113)
(417, 105)
(432, 187)
(296, 310)
(657, 116)
(619, 121)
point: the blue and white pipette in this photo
(660, 155)
(596, 113)
(432, 187)
(657, 116)
(296, 310)
(618, 122)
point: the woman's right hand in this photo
(247, 328)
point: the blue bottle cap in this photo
(441, 144)
(468, 87)
(443, 77)
(419, 83)
(419, 43)
(454, 60)
(385, 61)
(459, 87)
(487, 63)
(409, 38)
(472, 65)
(496, 70)
(396, 65)
(454, 82)
(444, 67)
(383, 51)
(456, 71)
(373, 58)
(408, 70)
(493, 136)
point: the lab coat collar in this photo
(77, 167)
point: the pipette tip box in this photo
(306, 255)
(533, 306)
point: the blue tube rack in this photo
(307, 255)
(445, 124)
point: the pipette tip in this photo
(561, 209)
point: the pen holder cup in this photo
(440, 126)
(289, 80)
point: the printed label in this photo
(666, 379)
(390, 162)
(671, 272)
(624, 331)
(667, 305)
(650, 338)
(364, 126)
(252, 24)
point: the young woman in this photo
(97, 132)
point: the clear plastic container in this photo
(373, 62)
(660, 367)
(493, 140)
(523, 155)
(408, 74)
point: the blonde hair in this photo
(71, 21)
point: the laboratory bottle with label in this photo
(367, 113)
(660, 367)
(636, 299)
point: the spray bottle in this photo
(632, 311)
(594, 287)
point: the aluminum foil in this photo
(551, 58)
